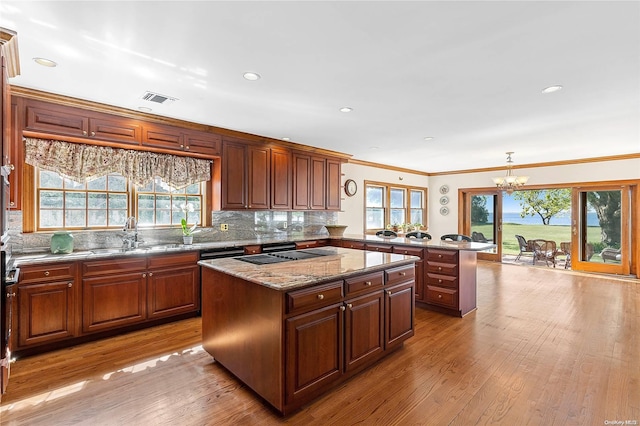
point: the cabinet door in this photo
(399, 314)
(259, 177)
(234, 179)
(318, 183)
(202, 143)
(281, 189)
(165, 137)
(301, 182)
(115, 130)
(334, 188)
(45, 312)
(309, 370)
(364, 329)
(113, 301)
(57, 120)
(173, 291)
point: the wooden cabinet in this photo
(68, 121)
(281, 183)
(182, 140)
(334, 186)
(451, 281)
(173, 285)
(315, 336)
(47, 295)
(420, 266)
(246, 179)
(310, 244)
(113, 293)
(382, 248)
(316, 182)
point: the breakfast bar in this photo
(294, 327)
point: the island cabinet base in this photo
(292, 346)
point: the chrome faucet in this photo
(130, 240)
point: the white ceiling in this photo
(469, 74)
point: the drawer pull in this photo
(439, 268)
(342, 308)
(10, 295)
(349, 305)
(439, 296)
(46, 273)
(321, 296)
(440, 281)
(69, 284)
(440, 256)
(367, 283)
(144, 275)
(402, 274)
(389, 292)
(150, 274)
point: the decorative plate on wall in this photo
(444, 189)
(444, 200)
(444, 211)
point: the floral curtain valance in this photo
(81, 162)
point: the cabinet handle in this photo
(93, 133)
(46, 273)
(367, 283)
(439, 296)
(69, 284)
(181, 146)
(440, 256)
(12, 204)
(342, 308)
(405, 252)
(321, 296)
(439, 268)
(389, 292)
(150, 274)
(10, 295)
(402, 274)
(144, 275)
(440, 281)
(187, 147)
(84, 133)
(11, 166)
(349, 305)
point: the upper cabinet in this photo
(245, 176)
(177, 139)
(316, 182)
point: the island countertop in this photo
(339, 264)
(435, 243)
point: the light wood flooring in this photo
(545, 347)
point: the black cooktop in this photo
(284, 256)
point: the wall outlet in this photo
(224, 227)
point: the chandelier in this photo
(510, 183)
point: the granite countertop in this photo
(341, 263)
(447, 245)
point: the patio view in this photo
(541, 216)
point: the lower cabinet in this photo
(309, 339)
(47, 296)
(114, 292)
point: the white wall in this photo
(353, 207)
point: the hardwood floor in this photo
(544, 347)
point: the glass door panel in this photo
(600, 228)
(483, 222)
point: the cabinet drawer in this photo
(409, 251)
(400, 274)
(307, 244)
(53, 271)
(114, 265)
(447, 256)
(364, 282)
(379, 247)
(189, 258)
(353, 245)
(442, 296)
(443, 268)
(252, 249)
(442, 280)
(314, 297)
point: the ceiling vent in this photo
(158, 98)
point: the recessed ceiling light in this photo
(374, 147)
(552, 89)
(251, 76)
(286, 139)
(346, 109)
(145, 109)
(428, 138)
(45, 62)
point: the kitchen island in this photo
(293, 329)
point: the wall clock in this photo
(444, 200)
(350, 187)
(444, 189)
(444, 211)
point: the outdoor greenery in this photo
(544, 203)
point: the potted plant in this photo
(187, 232)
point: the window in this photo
(106, 202)
(388, 205)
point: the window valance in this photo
(81, 162)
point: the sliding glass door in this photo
(483, 222)
(601, 239)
